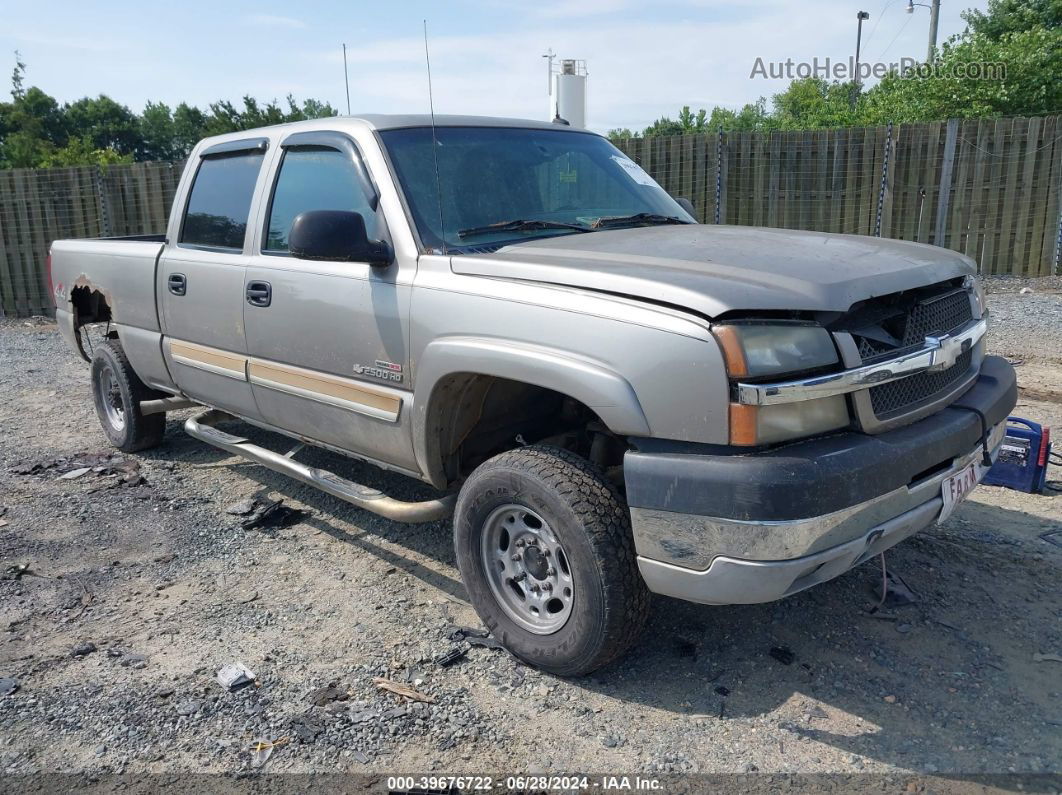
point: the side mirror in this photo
(336, 235)
(686, 205)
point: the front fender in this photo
(603, 390)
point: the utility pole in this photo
(549, 55)
(346, 78)
(934, 17)
(861, 16)
(857, 81)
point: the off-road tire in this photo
(592, 522)
(136, 431)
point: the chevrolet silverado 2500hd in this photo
(613, 399)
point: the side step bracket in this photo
(202, 428)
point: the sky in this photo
(645, 59)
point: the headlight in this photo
(754, 350)
(755, 425)
(761, 350)
(973, 284)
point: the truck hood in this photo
(715, 269)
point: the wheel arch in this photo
(87, 304)
(451, 373)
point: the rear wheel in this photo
(545, 549)
(117, 392)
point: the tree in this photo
(1006, 63)
(1017, 47)
(36, 131)
(107, 124)
(1013, 16)
(157, 133)
(753, 116)
(189, 125)
(33, 126)
(82, 152)
(225, 117)
(814, 103)
(18, 77)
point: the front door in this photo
(201, 280)
(328, 341)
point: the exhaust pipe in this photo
(201, 428)
(162, 405)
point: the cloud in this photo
(274, 21)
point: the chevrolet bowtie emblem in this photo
(948, 350)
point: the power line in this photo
(903, 27)
(877, 21)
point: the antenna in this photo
(346, 78)
(434, 141)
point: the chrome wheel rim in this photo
(111, 398)
(527, 568)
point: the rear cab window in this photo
(220, 200)
(313, 178)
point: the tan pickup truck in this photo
(614, 399)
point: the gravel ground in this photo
(137, 592)
(1026, 325)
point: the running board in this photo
(201, 428)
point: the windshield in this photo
(528, 182)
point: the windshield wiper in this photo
(648, 219)
(518, 226)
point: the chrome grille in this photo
(897, 397)
(937, 315)
(906, 329)
(943, 314)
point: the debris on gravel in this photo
(267, 515)
(82, 649)
(102, 465)
(783, 654)
(400, 689)
(234, 676)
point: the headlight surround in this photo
(759, 350)
(755, 350)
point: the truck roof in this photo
(384, 121)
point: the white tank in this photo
(569, 93)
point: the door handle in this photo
(259, 293)
(177, 283)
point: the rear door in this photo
(201, 278)
(328, 341)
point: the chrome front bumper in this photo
(750, 562)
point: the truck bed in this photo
(121, 269)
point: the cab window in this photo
(216, 215)
(313, 178)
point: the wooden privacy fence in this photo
(38, 206)
(990, 188)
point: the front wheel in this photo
(545, 549)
